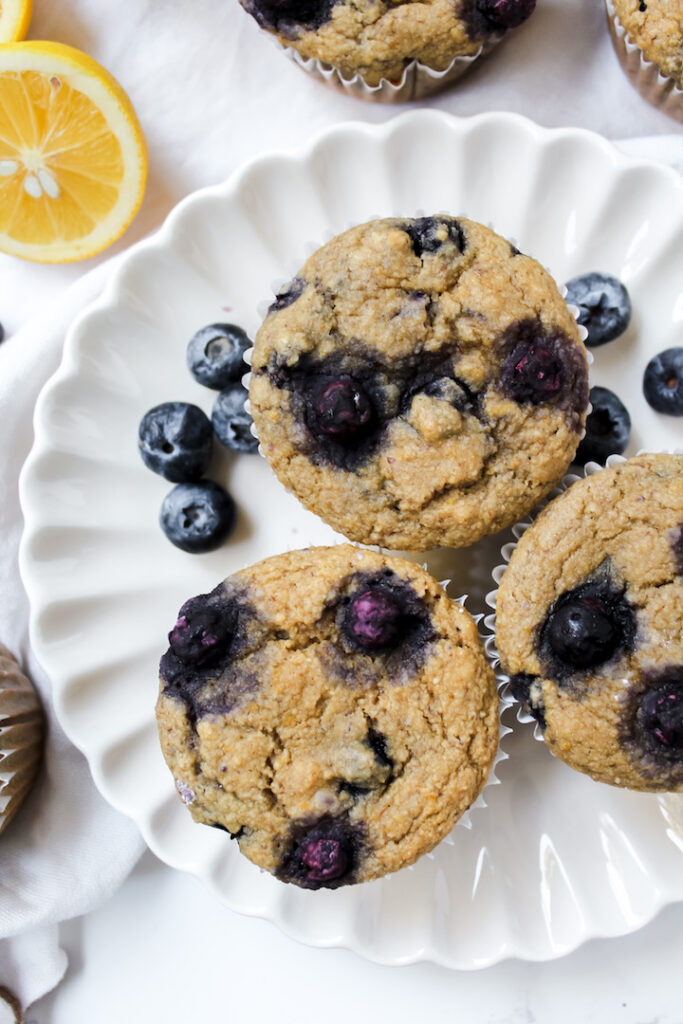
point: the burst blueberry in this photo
(604, 306)
(663, 382)
(660, 717)
(533, 372)
(231, 421)
(429, 234)
(506, 13)
(322, 855)
(608, 428)
(198, 517)
(175, 439)
(288, 295)
(285, 15)
(215, 355)
(372, 620)
(586, 626)
(203, 631)
(339, 410)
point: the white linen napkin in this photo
(67, 850)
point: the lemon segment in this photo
(73, 159)
(15, 18)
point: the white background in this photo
(211, 91)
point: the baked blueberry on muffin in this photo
(377, 39)
(419, 383)
(331, 709)
(589, 623)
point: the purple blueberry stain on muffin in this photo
(652, 726)
(324, 854)
(204, 666)
(587, 628)
(288, 295)
(290, 17)
(431, 234)
(544, 367)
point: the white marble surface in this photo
(162, 950)
(211, 92)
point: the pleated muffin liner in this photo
(503, 679)
(21, 736)
(657, 88)
(416, 83)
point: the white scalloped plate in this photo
(555, 859)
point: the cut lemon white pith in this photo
(73, 160)
(15, 18)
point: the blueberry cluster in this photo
(175, 439)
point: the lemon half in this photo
(73, 158)
(15, 18)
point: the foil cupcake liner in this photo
(658, 89)
(21, 736)
(417, 82)
(503, 679)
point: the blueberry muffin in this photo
(331, 709)
(589, 624)
(377, 39)
(21, 736)
(419, 383)
(648, 39)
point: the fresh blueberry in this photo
(175, 440)
(339, 410)
(288, 295)
(586, 626)
(506, 13)
(373, 619)
(2, 333)
(197, 517)
(428, 234)
(215, 355)
(231, 421)
(285, 15)
(604, 306)
(660, 718)
(663, 382)
(608, 428)
(203, 630)
(323, 855)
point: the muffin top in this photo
(378, 38)
(656, 26)
(589, 623)
(331, 709)
(419, 383)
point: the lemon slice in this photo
(15, 17)
(73, 159)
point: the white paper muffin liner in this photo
(658, 89)
(21, 735)
(416, 83)
(503, 679)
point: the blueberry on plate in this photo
(604, 306)
(608, 428)
(2, 333)
(663, 382)
(231, 421)
(197, 517)
(175, 440)
(215, 355)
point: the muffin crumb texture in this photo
(331, 709)
(588, 624)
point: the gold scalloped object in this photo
(21, 736)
